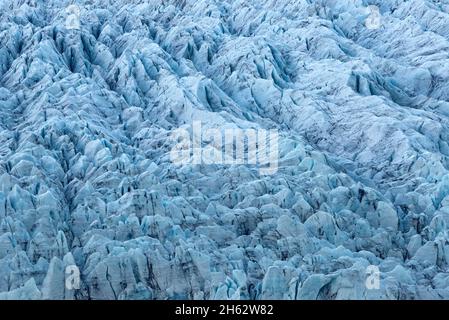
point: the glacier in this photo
(91, 92)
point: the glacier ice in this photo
(87, 113)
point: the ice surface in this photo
(86, 117)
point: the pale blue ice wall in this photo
(90, 94)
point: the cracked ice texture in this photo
(86, 179)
